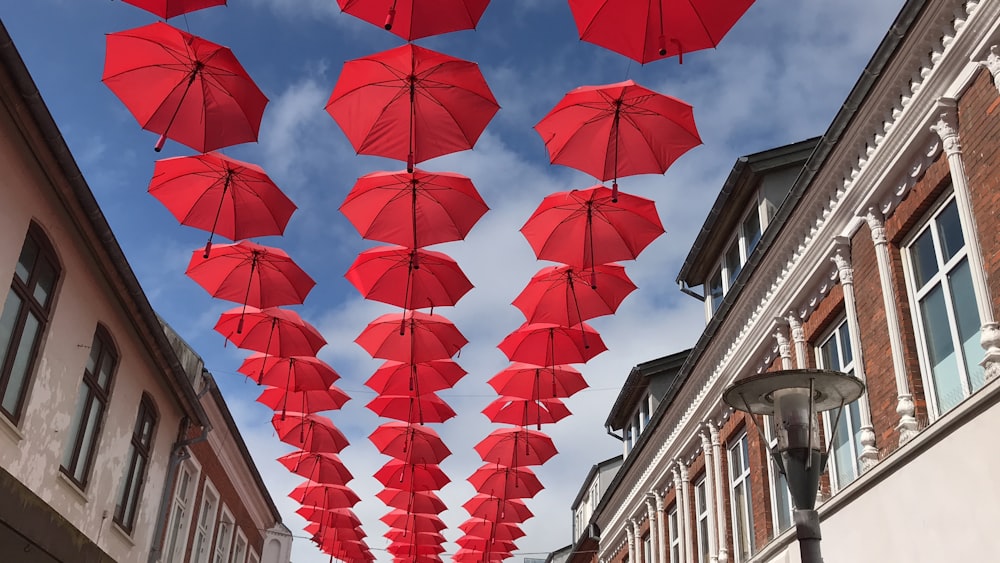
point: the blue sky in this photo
(779, 77)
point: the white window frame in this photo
(778, 485)
(185, 503)
(701, 508)
(206, 524)
(224, 536)
(737, 479)
(940, 279)
(673, 534)
(739, 238)
(235, 557)
(647, 546)
(252, 557)
(840, 336)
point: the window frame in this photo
(722, 270)
(206, 523)
(735, 480)
(778, 485)
(180, 548)
(133, 482)
(647, 547)
(701, 512)
(840, 335)
(234, 557)
(673, 534)
(220, 552)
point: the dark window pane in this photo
(95, 355)
(11, 307)
(844, 334)
(925, 263)
(733, 263)
(751, 231)
(104, 376)
(715, 290)
(90, 428)
(950, 231)
(45, 281)
(26, 262)
(967, 319)
(941, 350)
(19, 369)
(74, 427)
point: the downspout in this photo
(178, 453)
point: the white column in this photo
(784, 348)
(720, 486)
(688, 523)
(651, 514)
(630, 533)
(947, 129)
(992, 63)
(904, 406)
(710, 498)
(868, 456)
(661, 528)
(799, 338)
(682, 515)
(638, 539)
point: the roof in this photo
(637, 382)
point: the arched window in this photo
(25, 313)
(137, 463)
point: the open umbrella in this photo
(528, 381)
(280, 332)
(411, 337)
(410, 443)
(468, 555)
(296, 373)
(408, 278)
(341, 518)
(403, 520)
(481, 528)
(421, 502)
(310, 432)
(325, 496)
(485, 545)
(413, 19)
(522, 412)
(564, 295)
(515, 447)
(505, 482)
(403, 378)
(413, 209)
(408, 408)
(647, 30)
(413, 552)
(411, 104)
(283, 400)
(412, 476)
(219, 194)
(317, 466)
(497, 509)
(584, 228)
(183, 87)
(545, 344)
(618, 130)
(396, 534)
(167, 9)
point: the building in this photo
(872, 250)
(110, 434)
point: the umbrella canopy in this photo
(420, 502)
(412, 476)
(528, 381)
(402, 378)
(400, 519)
(411, 104)
(584, 228)
(219, 194)
(411, 337)
(413, 209)
(567, 296)
(310, 432)
(477, 527)
(496, 509)
(647, 30)
(278, 399)
(412, 552)
(407, 277)
(396, 534)
(295, 373)
(522, 412)
(546, 344)
(420, 409)
(183, 87)
(413, 19)
(272, 331)
(477, 543)
(516, 447)
(326, 496)
(410, 443)
(317, 466)
(167, 9)
(338, 518)
(480, 556)
(505, 482)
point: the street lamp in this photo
(793, 398)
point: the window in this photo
(781, 497)
(739, 489)
(647, 549)
(675, 540)
(715, 291)
(180, 513)
(23, 318)
(206, 524)
(136, 465)
(629, 437)
(239, 548)
(835, 353)
(223, 537)
(88, 418)
(253, 558)
(944, 308)
(701, 520)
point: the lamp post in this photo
(793, 398)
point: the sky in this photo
(779, 77)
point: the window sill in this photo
(68, 483)
(10, 429)
(125, 536)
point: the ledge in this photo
(65, 481)
(10, 429)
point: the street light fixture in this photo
(793, 398)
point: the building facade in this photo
(109, 432)
(882, 261)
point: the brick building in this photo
(872, 250)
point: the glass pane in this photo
(733, 263)
(950, 231)
(742, 523)
(19, 370)
(90, 428)
(967, 319)
(95, 354)
(751, 231)
(745, 457)
(11, 308)
(843, 453)
(715, 290)
(25, 263)
(44, 282)
(828, 355)
(133, 501)
(74, 428)
(925, 263)
(782, 502)
(844, 334)
(147, 431)
(175, 532)
(703, 539)
(104, 376)
(700, 490)
(940, 350)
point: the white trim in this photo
(736, 480)
(240, 536)
(224, 533)
(206, 524)
(192, 466)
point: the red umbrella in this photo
(515, 447)
(296, 373)
(420, 409)
(478, 556)
(408, 278)
(278, 399)
(511, 410)
(420, 502)
(411, 104)
(567, 296)
(618, 130)
(280, 332)
(653, 29)
(412, 476)
(401, 378)
(167, 9)
(396, 534)
(183, 87)
(219, 194)
(416, 337)
(477, 527)
(310, 432)
(546, 344)
(413, 19)
(413, 209)
(497, 509)
(346, 550)
(411, 552)
(486, 545)
(336, 534)
(397, 518)
(411, 443)
(317, 466)
(325, 496)
(528, 381)
(584, 228)
(505, 482)
(340, 518)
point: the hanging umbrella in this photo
(219, 194)
(505, 482)
(296, 373)
(412, 476)
(485, 545)
(400, 519)
(411, 104)
(280, 332)
(402, 378)
(584, 228)
(464, 555)
(647, 30)
(413, 19)
(317, 466)
(347, 550)
(167, 9)
(528, 381)
(183, 87)
(283, 400)
(416, 337)
(408, 278)
(310, 432)
(407, 408)
(496, 509)
(522, 412)
(413, 209)
(477, 527)
(411, 443)
(337, 534)
(516, 447)
(410, 553)
(563, 295)
(339, 518)
(325, 496)
(419, 502)
(396, 534)
(546, 344)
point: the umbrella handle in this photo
(160, 142)
(614, 191)
(389, 18)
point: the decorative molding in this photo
(992, 63)
(989, 338)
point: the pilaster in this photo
(713, 430)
